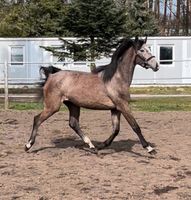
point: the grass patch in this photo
(25, 106)
(148, 105)
(161, 90)
(162, 104)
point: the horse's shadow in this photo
(116, 146)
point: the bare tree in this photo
(157, 9)
(164, 19)
(177, 17)
(189, 14)
(187, 17)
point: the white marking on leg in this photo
(28, 145)
(150, 149)
(88, 141)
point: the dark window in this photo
(166, 53)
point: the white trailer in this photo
(24, 56)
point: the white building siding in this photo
(179, 72)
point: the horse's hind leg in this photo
(115, 117)
(49, 109)
(74, 123)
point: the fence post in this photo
(6, 90)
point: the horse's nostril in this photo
(157, 67)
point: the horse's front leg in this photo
(123, 107)
(115, 118)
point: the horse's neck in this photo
(127, 66)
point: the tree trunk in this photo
(164, 18)
(170, 18)
(157, 6)
(187, 17)
(158, 9)
(177, 18)
(184, 17)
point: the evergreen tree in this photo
(34, 19)
(141, 20)
(12, 24)
(3, 9)
(70, 48)
(45, 18)
(98, 24)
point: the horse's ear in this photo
(136, 39)
(146, 40)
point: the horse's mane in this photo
(110, 69)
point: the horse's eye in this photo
(141, 50)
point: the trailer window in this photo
(17, 57)
(166, 55)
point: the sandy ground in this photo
(57, 167)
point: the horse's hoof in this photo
(151, 150)
(27, 146)
(91, 150)
(94, 150)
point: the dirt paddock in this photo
(58, 168)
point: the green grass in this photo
(149, 105)
(161, 90)
(25, 106)
(162, 104)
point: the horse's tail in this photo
(46, 71)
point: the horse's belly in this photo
(96, 101)
(98, 105)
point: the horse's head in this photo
(144, 56)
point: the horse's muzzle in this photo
(156, 68)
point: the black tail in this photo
(47, 71)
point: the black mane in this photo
(110, 69)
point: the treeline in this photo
(37, 18)
(172, 16)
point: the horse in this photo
(105, 88)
